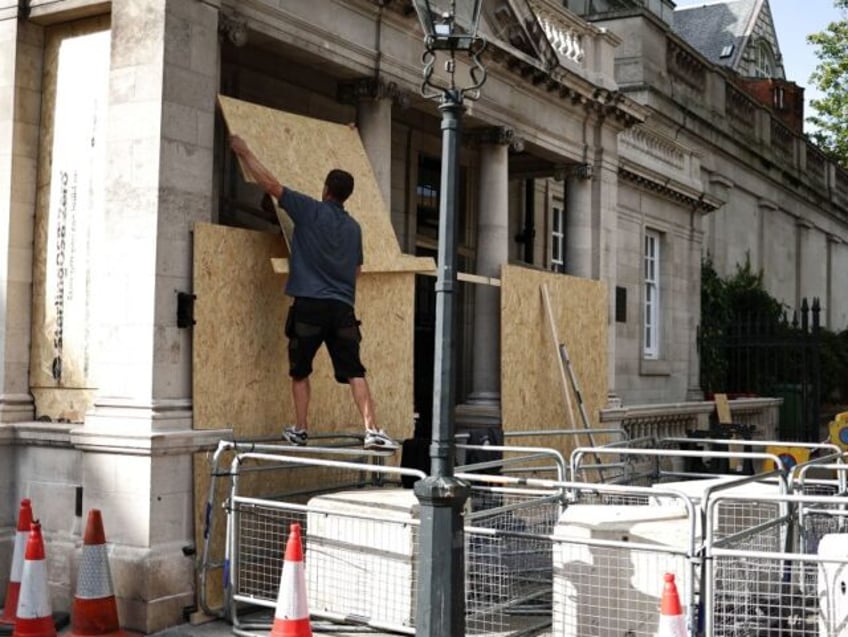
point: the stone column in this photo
(136, 439)
(20, 110)
(483, 406)
(578, 221)
(374, 120)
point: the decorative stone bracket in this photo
(502, 135)
(366, 88)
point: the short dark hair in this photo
(339, 184)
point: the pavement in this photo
(220, 628)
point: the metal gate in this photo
(758, 355)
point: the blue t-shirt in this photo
(326, 248)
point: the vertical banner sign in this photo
(75, 207)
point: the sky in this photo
(794, 20)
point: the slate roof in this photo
(714, 26)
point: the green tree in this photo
(831, 78)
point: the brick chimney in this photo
(785, 98)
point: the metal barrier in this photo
(525, 461)
(211, 563)
(546, 556)
(361, 551)
(755, 587)
(659, 474)
(345, 580)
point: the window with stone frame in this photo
(651, 295)
(557, 261)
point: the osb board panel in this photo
(531, 387)
(240, 358)
(240, 367)
(71, 113)
(300, 151)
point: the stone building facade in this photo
(604, 147)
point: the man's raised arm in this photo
(266, 180)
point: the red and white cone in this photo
(35, 616)
(672, 622)
(13, 589)
(291, 618)
(95, 610)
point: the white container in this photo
(361, 556)
(833, 586)
(606, 591)
(731, 516)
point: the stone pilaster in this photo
(20, 108)
(605, 240)
(163, 84)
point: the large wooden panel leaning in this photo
(300, 151)
(531, 384)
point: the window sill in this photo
(654, 367)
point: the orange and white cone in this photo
(291, 618)
(672, 622)
(13, 589)
(95, 610)
(35, 616)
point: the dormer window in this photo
(765, 61)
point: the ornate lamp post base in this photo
(441, 562)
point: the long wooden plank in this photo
(546, 300)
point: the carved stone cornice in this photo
(499, 135)
(700, 201)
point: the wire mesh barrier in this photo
(757, 587)
(551, 557)
(263, 480)
(508, 558)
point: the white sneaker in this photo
(380, 441)
(297, 437)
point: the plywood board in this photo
(240, 367)
(68, 205)
(241, 363)
(300, 151)
(531, 386)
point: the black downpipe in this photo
(528, 235)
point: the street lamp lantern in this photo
(449, 24)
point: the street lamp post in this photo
(449, 26)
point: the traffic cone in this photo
(35, 617)
(672, 622)
(13, 589)
(94, 611)
(291, 618)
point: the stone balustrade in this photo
(673, 420)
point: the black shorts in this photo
(312, 322)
